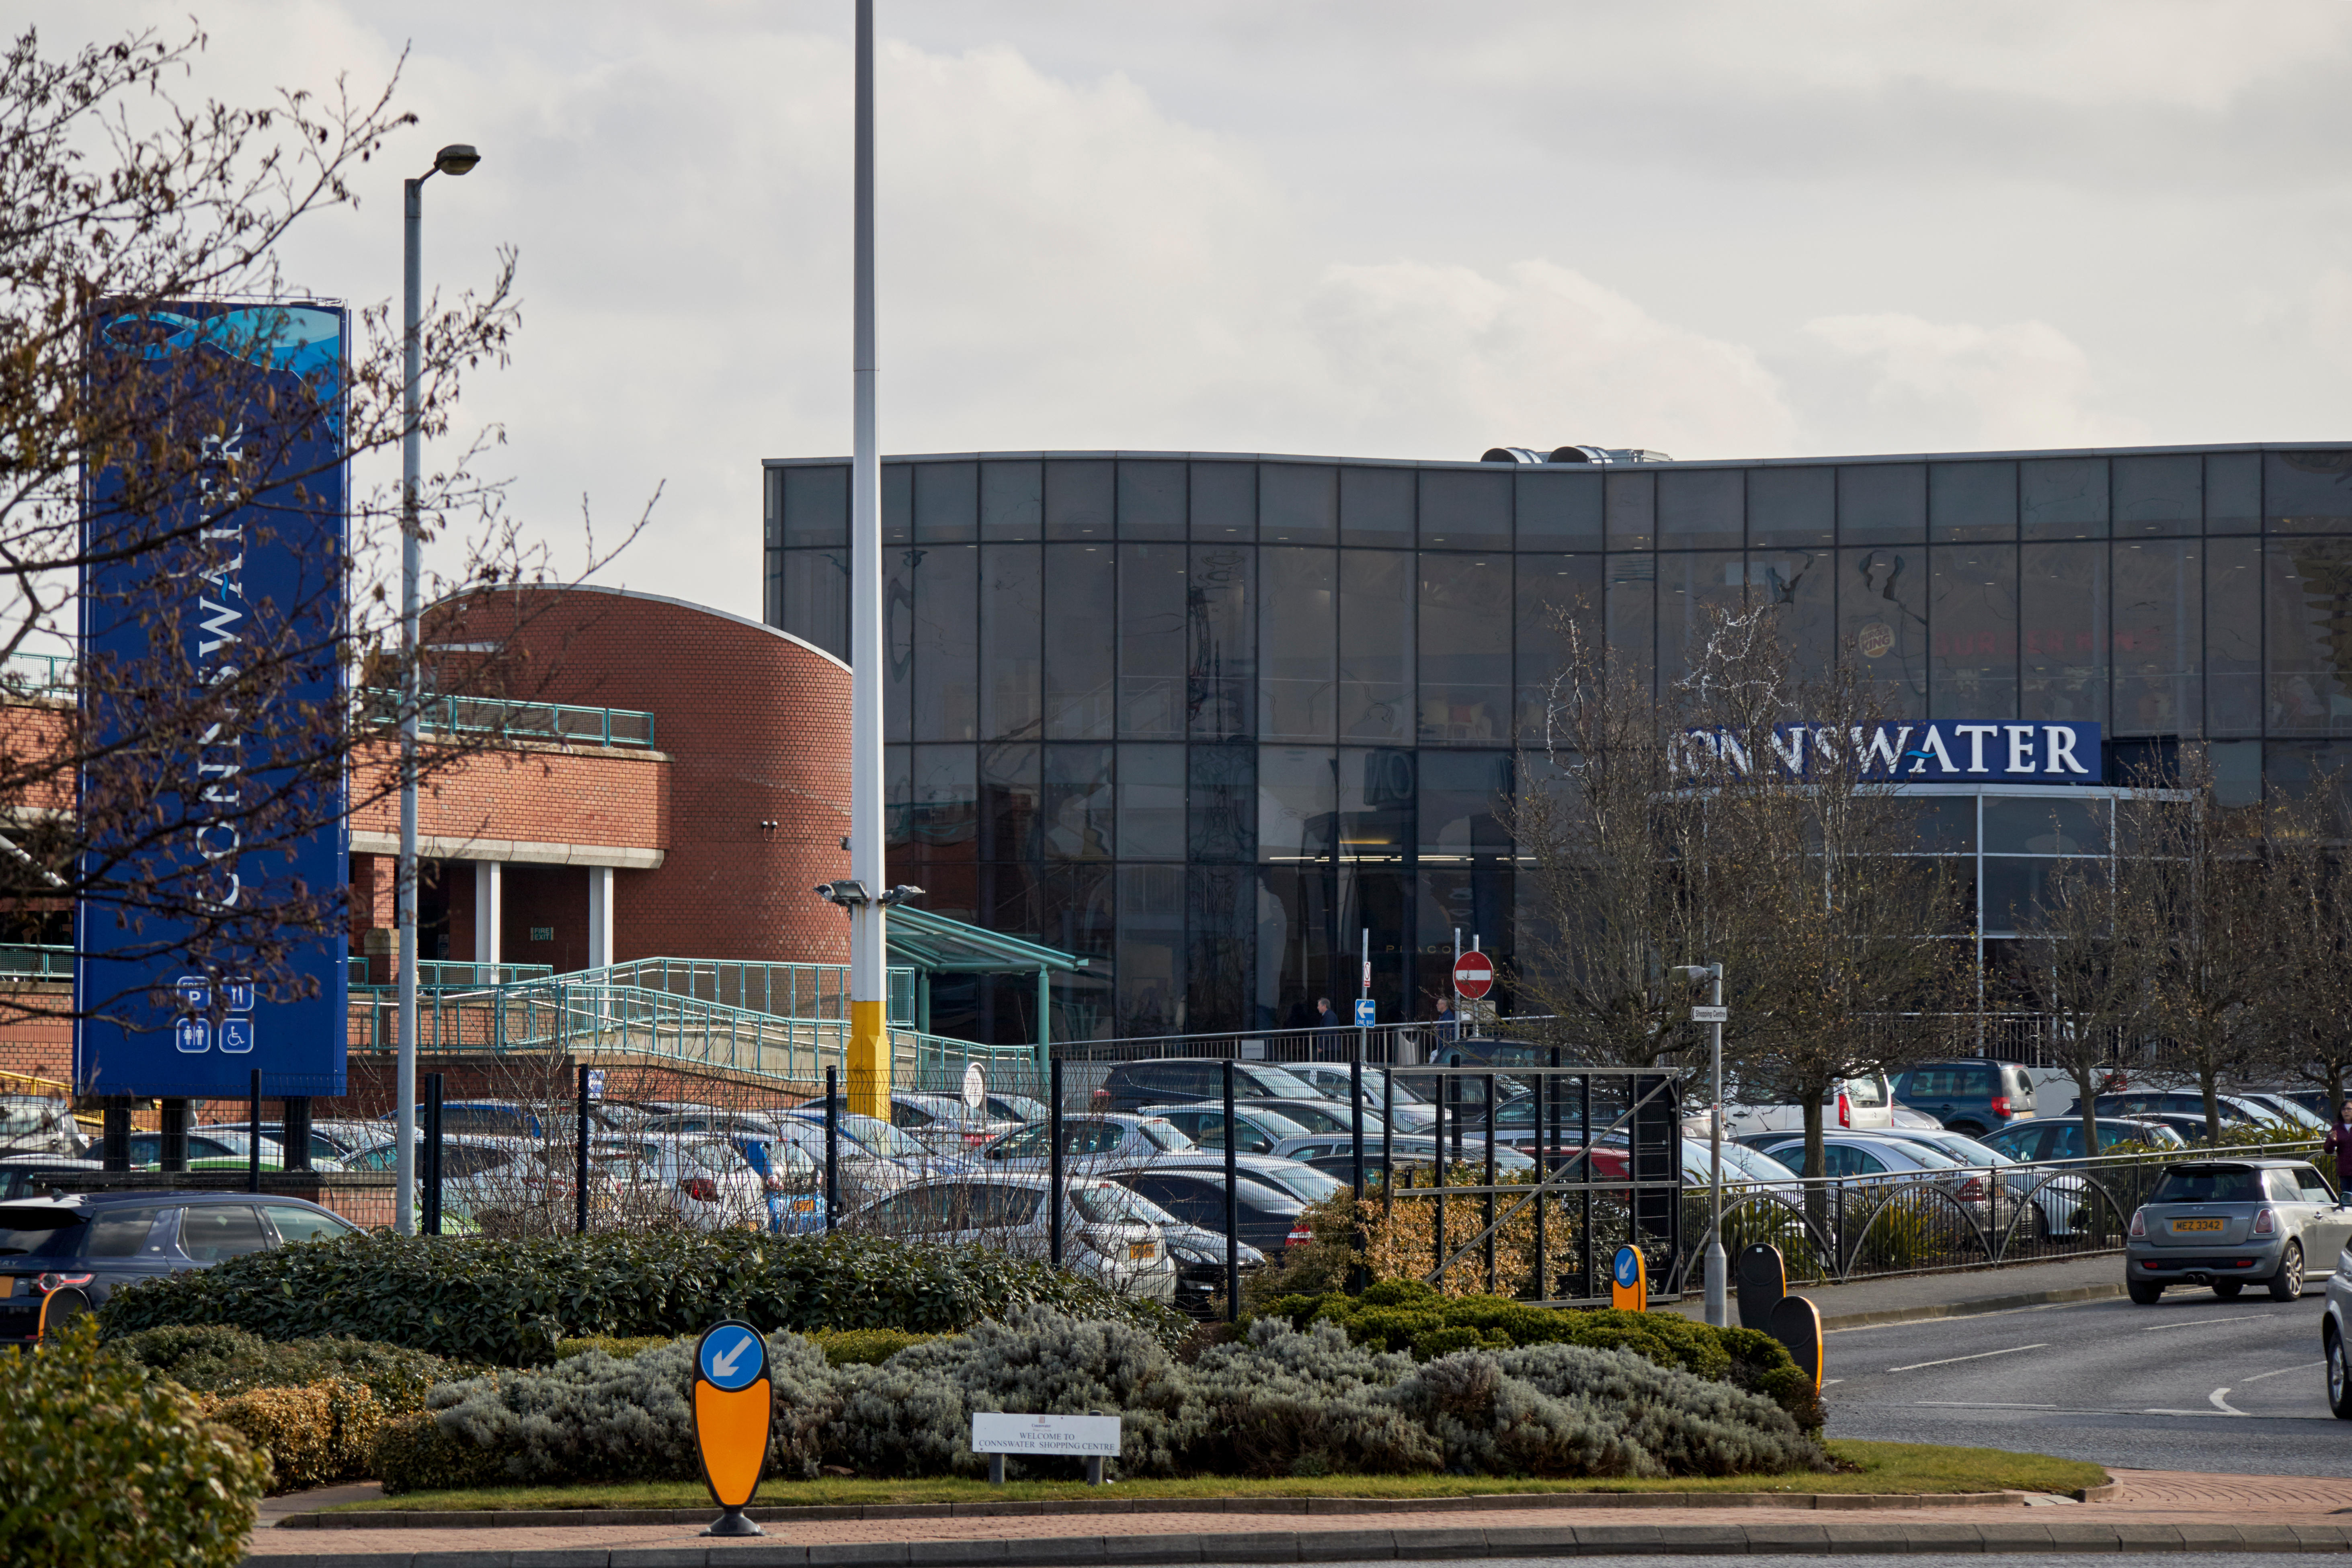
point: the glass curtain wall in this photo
(1209, 722)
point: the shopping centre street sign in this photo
(1938, 750)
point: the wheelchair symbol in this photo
(236, 1036)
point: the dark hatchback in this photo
(62, 1257)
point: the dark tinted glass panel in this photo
(1882, 503)
(812, 597)
(2308, 492)
(2234, 637)
(1882, 624)
(1381, 903)
(1223, 803)
(1376, 506)
(1473, 899)
(2309, 688)
(2063, 498)
(2160, 642)
(1008, 802)
(1463, 509)
(1298, 791)
(1631, 602)
(1297, 933)
(1077, 499)
(1297, 504)
(1971, 503)
(1695, 588)
(1076, 910)
(1376, 603)
(1462, 797)
(1550, 588)
(2160, 494)
(1151, 802)
(1946, 824)
(1081, 603)
(1074, 808)
(947, 503)
(817, 506)
(1299, 644)
(899, 568)
(2237, 773)
(1151, 935)
(1151, 500)
(2062, 632)
(1633, 511)
(947, 643)
(944, 809)
(1699, 509)
(1557, 510)
(898, 810)
(2233, 492)
(2307, 770)
(1152, 632)
(1799, 583)
(1466, 649)
(1377, 816)
(2014, 825)
(1221, 689)
(1011, 498)
(1792, 507)
(1221, 938)
(899, 504)
(2014, 889)
(1011, 649)
(1974, 631)
(1224, 501)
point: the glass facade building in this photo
(1207, 719)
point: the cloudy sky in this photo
(1371, 228)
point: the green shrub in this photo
(1406, 1315)
(104, 1463)
(509, 1302)
(215, 1359)
(618, 1349)
(314, 1435)
(864, 1347)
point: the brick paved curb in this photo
(539, 1519)
(1970, 1308)
(1397, 1545)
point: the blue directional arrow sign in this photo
(732, 1357)
(1629, 1267)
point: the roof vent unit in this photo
(1512, 455)
(1606, 455)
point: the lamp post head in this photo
(457, 158)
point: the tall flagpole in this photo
(870, 1044)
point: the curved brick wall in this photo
(756, 724)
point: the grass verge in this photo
(1878, 1467)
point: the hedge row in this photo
(511, 1301)
(1408, 1316)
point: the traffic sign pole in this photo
(734, 1402)
(1714, 1015)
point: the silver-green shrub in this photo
(1287, 1402)
(1489, 1424)
(1689, 1426)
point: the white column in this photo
(600, 917)
(490, 889)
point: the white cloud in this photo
(1951, 384)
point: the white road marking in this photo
(2222, 1404)
(2205, 1322)
(1981, 1355)
(1980, 1404)
(1827, 1380)
(2282, 1372)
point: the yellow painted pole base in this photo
(868, 1091)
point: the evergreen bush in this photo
(313, 1436)
(215, 1359)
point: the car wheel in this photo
(2286, 1285)
(2228, 1288)
(2339, 1378)
(2143, 1292)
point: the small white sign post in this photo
(1092, 1438)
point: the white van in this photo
(1852, 1104)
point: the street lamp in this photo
(457, 158)
(1718, 1311)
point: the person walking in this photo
(1328, 1026)
(1448, 1022)
(2338, 1142)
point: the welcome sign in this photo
(1938, 750)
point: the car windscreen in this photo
(1928, 1156)
(720, 1157)
(1110, 1204)
(1276, 1083)
(1304, 1181)
(1870, 1091)
(881, 1138)
(2208, 1184)
(72, 1233)
(1968, 1152)
(1165, 1134)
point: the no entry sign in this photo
(1474, 975)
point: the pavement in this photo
(1912, 1298)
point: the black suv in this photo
(1131, 1085)
(62, 1257)
(1970, 1095)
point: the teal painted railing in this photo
(557, 722)
(26, 961)
(445, 973)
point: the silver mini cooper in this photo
(2229, 1223)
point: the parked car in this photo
(63, 1257)
(2173, 1103)
(1317, 1146)
(520, 1119)
(704, 1182)
(2291, 1111)
(507, 1186)
(1205, 1125)
(877, 1137)
(1331, 1079)
(1088, 1141)
(1165, 1080)
(29, 1175)
(1863, 1157)
(1901, 1115)
(2231, 1222)
(865, 1176)
(1849, 1105)
(218, 1148)
(1199, 1254)
(330, 1141)
(2317, 1101)
(943, 1123)
(1975, 1095)
(37, 1125)
(2057, 1198)
(1104, 1232)
(1296, 1177)
(1267, 1217)
(2333, 1326)
(2052, 1138)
